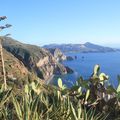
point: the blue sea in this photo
(84, 64)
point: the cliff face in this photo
(35, 59)
(58, 55)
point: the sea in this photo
(83, 66)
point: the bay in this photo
(84, 64)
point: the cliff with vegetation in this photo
(37, 60)
(15, 69)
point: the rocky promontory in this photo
(58, 55)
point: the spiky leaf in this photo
(60, 83)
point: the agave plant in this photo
(48, 104)
(79, 113)
(4, 100)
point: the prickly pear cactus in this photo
(96, 70)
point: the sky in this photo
(43, 22)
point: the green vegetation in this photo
(91, 99)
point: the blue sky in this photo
(63, 21)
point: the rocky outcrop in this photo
(47, 67)
(34, 58)
(58, 55)
(69, 58)
(69, 70)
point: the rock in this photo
(58, 55)
(69, 58)
(69, 70)
(75, 57)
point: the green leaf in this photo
(64, 87)
(17, 107)
(79, 111)
(34, 106)
(26, 111)
(96, 69)
(118, 88)
(85, 84)
(87, 95)
(4, 97)
(58, 94)
(33, 85)
(60, 83)
(110, 90)
(103, 77)
(79, 89)
(26, 89)
(73, 112)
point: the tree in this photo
(1, 50)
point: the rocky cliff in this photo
(35, 59)
(58, 55)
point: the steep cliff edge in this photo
(35, 59)
(58, 55)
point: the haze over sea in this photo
(109, 63)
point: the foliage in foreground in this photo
(91, 99)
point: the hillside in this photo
(15, 69)
(35, 59)
(87, 47)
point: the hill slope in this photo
(15, 69)
(35, 59)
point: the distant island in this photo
(83, 48)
